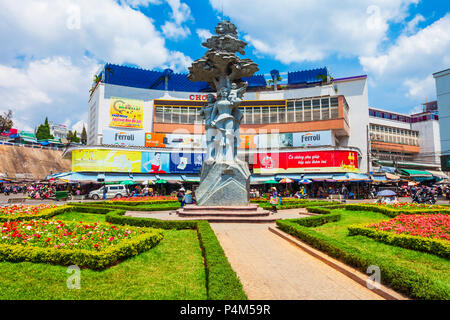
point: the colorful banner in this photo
(186, 162)
(312, 138)
(310, 161)
(123, 137)
(126, 113)
(180, 141)
(155, 162)
(94, 160)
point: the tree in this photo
(84, 135)
(6, 122)
(72, 136)
(43, 131)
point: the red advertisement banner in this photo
(309, 161)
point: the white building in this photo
(443, 96)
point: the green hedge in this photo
(222, 281)
(297, 204)
(324, 209)
(390, 212)
(97, 260)
(434, 246)
(44, 214)
(136, 203)
(397, 277)
(118, 217)
(316, 221)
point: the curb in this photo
(350, 272)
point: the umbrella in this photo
(271, 181)
(305, 181)
(386, 193)
(127, 182)
(286, 180)
(161, 181)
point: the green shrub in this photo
(316, 221)
(152, 207)
(434, 246)
(80, 257)
(222, 281)
(391, 212)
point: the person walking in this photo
(187, 199)
(104, 192)
(180, 197)
(275, 199)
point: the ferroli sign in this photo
(123, 137)
(313, 138)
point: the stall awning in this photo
(417, 175)
(391, 176)
(438, 174)
(318, 176)
(260, 179)
(293, 176)
(189, 178)
(379, 178)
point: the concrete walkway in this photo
(271, 268)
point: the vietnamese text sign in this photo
(309, 161)
(126, 113)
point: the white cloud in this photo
(45, 69)
(173, 31)
(180, 14)
(140, 3)
(412, 59)
(412, 25)
(204, 34)
(52, 87)
(298, 31)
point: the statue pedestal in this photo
(224, 184)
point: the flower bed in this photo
(435, 226)
(145, 199)
(91, 245)
(410, 206)
(15, 211)
(25, 212)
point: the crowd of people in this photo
(33, 191)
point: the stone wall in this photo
(31, 163)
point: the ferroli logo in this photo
(122, 136)
(309, 137)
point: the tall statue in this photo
(225, 179)
(211, 131)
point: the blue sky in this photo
(53, 48)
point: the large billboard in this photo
(123, 137)
(308, 161)
(94, 160)
(126, 113)
(99, 160)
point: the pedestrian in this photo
(104, 192)
(187, 199)
(180, 196)
(274, 199)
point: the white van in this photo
(112, 191)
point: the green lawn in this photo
(172, 270)
(424, 265)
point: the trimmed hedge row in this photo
(222, 281)
(434, 246)
(397, 277)
(44, 214)
(96, 260)
(316, 221)
(297, 204)
(324, 209)
(392, 212)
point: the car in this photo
(112, 191)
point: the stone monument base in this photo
(224, 184)
(229, 214)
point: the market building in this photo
(147, 125)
